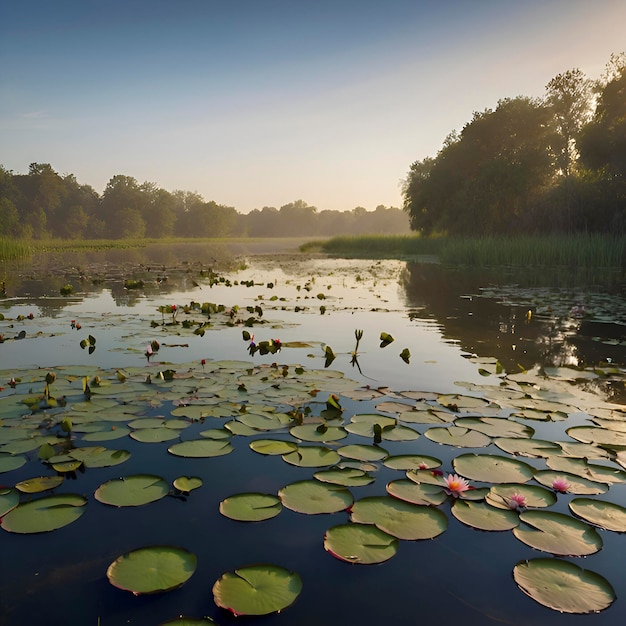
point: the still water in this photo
(455, 325)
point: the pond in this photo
(250, 405)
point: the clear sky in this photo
(256, 103)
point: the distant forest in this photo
(43, 204)
(550, 165)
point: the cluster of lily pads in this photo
(297, 414)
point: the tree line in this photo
(43, 204)
(531, 165)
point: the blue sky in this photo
(256, 103)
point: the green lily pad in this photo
(42, 483)
(9, 499)
(583, 469)
(311, 456)
(598, 436)
(484, 517)
(155, 435)
(563, 586)
(201, 448)
(44, 514)
(496, 427)
(313, 497)
(360, 543)
(346, 476)
(251, 507)
(411, 461)
(605, 515)
(557, 533)
(273, 447)
(9, 462)
(97, 456)
(117, 432)
(318, 432)
(458, 437)
(536, 497)
(360, 452)
(132, 490)
(187, 483)
(423, 494)
(490, 468)
(575, 484)
(153, 569)
(400, 519)
(532, 448)
(257, 590)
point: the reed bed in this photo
(13, 249)
(586, 251)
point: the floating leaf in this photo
(93, 457)
(400, 519)
(536, 497)
(311, 456)
(187, 483)
(557, 533)
(361, 452)
(201, 448)
(458, 437)
(360, 543)
(312, 432)
(273, 447)
(44, 514)
(42, 483)
(532, 448)
(484, 517)
(495, 427)
(591, 471)
(313, 497)
(154, 435)
(490, 468)
(415, 493)
(257, 590)
(385, 339)
(563, 586)
(132, 490)
(9, 499)
(153, 569)
(606, 515)
(251, 507)
(411, 461)
(9, 462)
(575, 484)
(346, 476)
(405, 355)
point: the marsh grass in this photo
(585, 251)
(11, 249)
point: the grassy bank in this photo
(11, 249)
(593, 251)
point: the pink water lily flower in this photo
(517, 501)
(455, 485)
(560, 485)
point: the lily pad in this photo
(532, 448)
(575, 484)
(411, 461)
(491, 468)
(563, 586)
(458, 437)
(311, 456)
(201, 448)
(496, 427)
(155, 435)
(360, 543)
(257, 590)
(44, 514)
(484, 517)
(97, 456)
(400, 519)
(557, 534)
(536, 497)
(9, 499)
(318, 432)
(605, 515)
(42, 483)
(313, 497)
(132, 490)
(153, 569)
(346, 476)
(423, 494)
(251, 507)
(361, 452)
(9, 462)
(273, 447)
(187, 483)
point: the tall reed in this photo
(11, 249)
